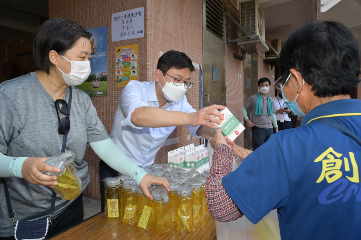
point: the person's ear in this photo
(54, 57)
(158, 75)
(299, 79)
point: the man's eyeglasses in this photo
(179, 82)
(64, 123)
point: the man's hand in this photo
(32, 168)
(276, 129)
(206, 115)
(249, 123)
(149, 180)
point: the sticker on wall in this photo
(96, 84)
(126, 64)
(128, 24)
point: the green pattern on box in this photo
(180, 165)
(229, 126)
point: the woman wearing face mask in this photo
(282, 111)
(33, 125)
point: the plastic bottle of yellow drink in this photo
(69, 184)
(185, 210)
(205, 211)
(144, 217)
(183, 180)
(128, 202)
(159, 172)
(162, 214)
(112, 203)
(197, 202)
(173, 201)
(123, 178)
(180, 170)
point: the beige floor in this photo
(91, 207)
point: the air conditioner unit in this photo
(252, 18)
(275, 46)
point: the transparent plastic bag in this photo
(69, 184)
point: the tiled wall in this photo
(175, 24)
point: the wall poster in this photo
(128, 24)
(126, 64)
(96, 84)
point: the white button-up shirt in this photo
(141, 144)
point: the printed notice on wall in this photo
(96, 84)
(128, 24)
(126, 64)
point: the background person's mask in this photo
(172, 92)
(79, 72)
(264, 90)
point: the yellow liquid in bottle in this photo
(144, 212)
(120, 202)
(204, 203)
(129, 206)
(162, 216)
(68, 185)
(112, 205)
(197, 205)
(173, 201)
(185, 214)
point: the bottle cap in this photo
(59, 161)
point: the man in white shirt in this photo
(148, 112)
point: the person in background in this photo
(282, 111)
(148, 112)
(262, 114)
(34, 117)
(316, 191)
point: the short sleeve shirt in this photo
(141, 144)
(29, 128)
(309, 174)
(260, 121)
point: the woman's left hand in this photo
(149, 180)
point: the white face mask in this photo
(80, 71)
(172, 92)
(264, 90)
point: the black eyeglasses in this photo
(179, 82)
(64, 123)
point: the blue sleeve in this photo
(187, 108)
(11, 166)
(132, 97)
(260, 183)
(110, 153)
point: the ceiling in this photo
(19, 18)
(282, 17)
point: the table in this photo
(101, 227)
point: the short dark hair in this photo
(262, 80)
(58, 34)
(327, 56)
(174, 59)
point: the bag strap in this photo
(338, 126)
(6, 190)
